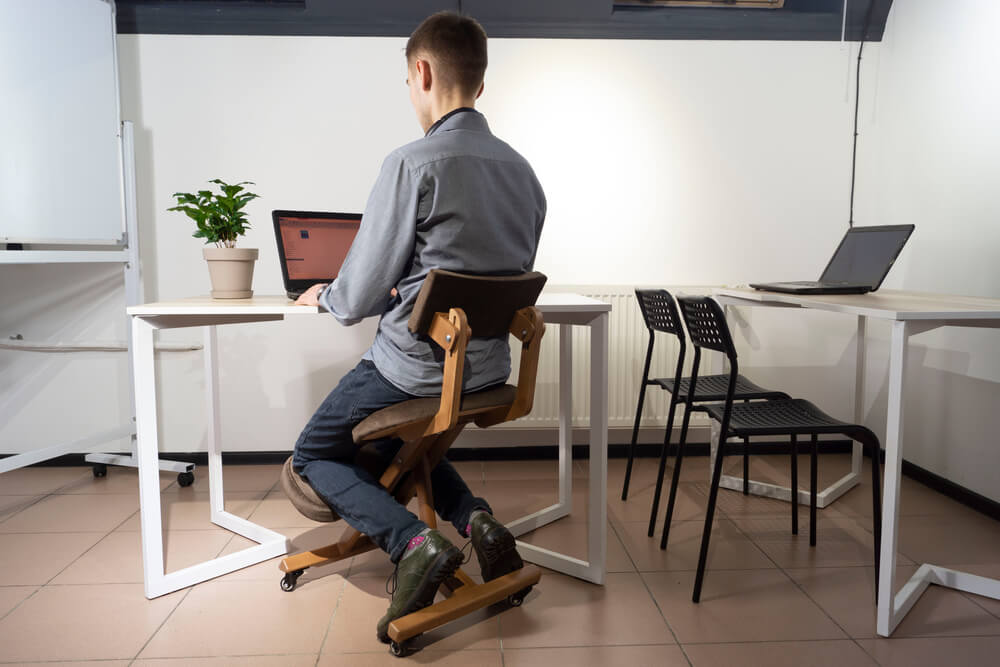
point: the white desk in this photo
(563, 309)
(911, 313)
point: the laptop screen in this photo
(312, 245)
(866, 254)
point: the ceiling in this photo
(811, 20)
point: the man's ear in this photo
(482, 87)
(424, 74)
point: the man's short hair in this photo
(456, 45)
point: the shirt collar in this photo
(433, 128)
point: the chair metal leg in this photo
(813, 465)
(876, 453)
(638, 417)
(709, 514)
(675, 481)
(663, 464)
(746, 463)
(795, 486)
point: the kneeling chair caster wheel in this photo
(516, 599)
(400, 649)
(100, 470)
(290, 579)
(185, 478)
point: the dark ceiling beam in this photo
(807, 20)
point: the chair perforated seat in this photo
(715, 387)
(781, 417)
(422, 409)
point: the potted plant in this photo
(221, 220)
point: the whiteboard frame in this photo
(61, 256)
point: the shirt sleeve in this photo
(382, 249)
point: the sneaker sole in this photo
(445, 565)
(499, 556)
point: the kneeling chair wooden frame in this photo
(447, 304)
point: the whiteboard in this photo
(60, 154)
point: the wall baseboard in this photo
(967, 497)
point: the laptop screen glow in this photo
(315, 248)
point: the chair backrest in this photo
(489, 302)
(659, 311)
(706, 325)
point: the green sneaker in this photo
(417, 577)
(494, 545)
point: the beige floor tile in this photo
(497, 471)
(364, 602)
(68, 514)
(739, 606)
(101, 621)
(11, 596)
(477, 658)
(944, 540)
(235, 477)
(35, 558)
(513, 499)
(303, 660)
(689, 505)
(234, 618)
(117, 558)
(301, 540)
(844, 653)
(596, 656)
(187, 510)
(934, 652)
(40, 480)
(645, 470)
(563, 611)
(570, 538)
(729, 549)
(118, 480)
(11, 505)
(848, 596)
(993, 572)
(840, 541)
(83, 663)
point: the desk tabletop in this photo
(883, 304)
(548, 302)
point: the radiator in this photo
(627, 341)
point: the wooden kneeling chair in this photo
(449, 308)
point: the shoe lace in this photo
(466, 556)
(390, 582)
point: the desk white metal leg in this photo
(593, 569)
(893, 608)
(157, 581)
(826, 496)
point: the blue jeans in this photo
(324, 455)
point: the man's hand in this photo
(311, 296)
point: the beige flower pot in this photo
(231, 271)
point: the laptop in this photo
(859, 265)
(312, 246)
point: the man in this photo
(458, 199)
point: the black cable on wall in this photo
(857, 105)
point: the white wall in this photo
(932, 158)
(664, 163)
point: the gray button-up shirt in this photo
(458, 199)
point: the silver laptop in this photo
(859, 265)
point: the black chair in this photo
(707, 327)
(660, 314)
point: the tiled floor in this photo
(71, 579)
